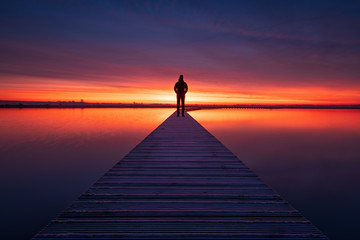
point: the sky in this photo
(232, 52)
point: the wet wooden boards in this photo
(180, 182)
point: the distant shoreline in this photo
(190, 107)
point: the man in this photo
(180, 88)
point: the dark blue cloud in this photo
(274, 42)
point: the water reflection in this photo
(311, 157)
(50, 156)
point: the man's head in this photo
(181, 78)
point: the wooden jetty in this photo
(180, 182)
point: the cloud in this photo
(231, 46)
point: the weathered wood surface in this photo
(180, 183)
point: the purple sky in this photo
(242, 49)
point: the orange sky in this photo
(56, 90)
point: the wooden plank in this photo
(180, 182)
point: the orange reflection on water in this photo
(310, 157)
(52, 155)
(280, 118)
(67, 125)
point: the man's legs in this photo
(178, 104)
(183, 104)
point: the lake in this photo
(50, 156)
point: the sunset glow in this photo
(54, 90)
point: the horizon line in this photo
(80, 104)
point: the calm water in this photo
(310, 157)
(50, 156)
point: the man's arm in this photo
(176, 88)
(186, 88)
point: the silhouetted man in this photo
(180, 88)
